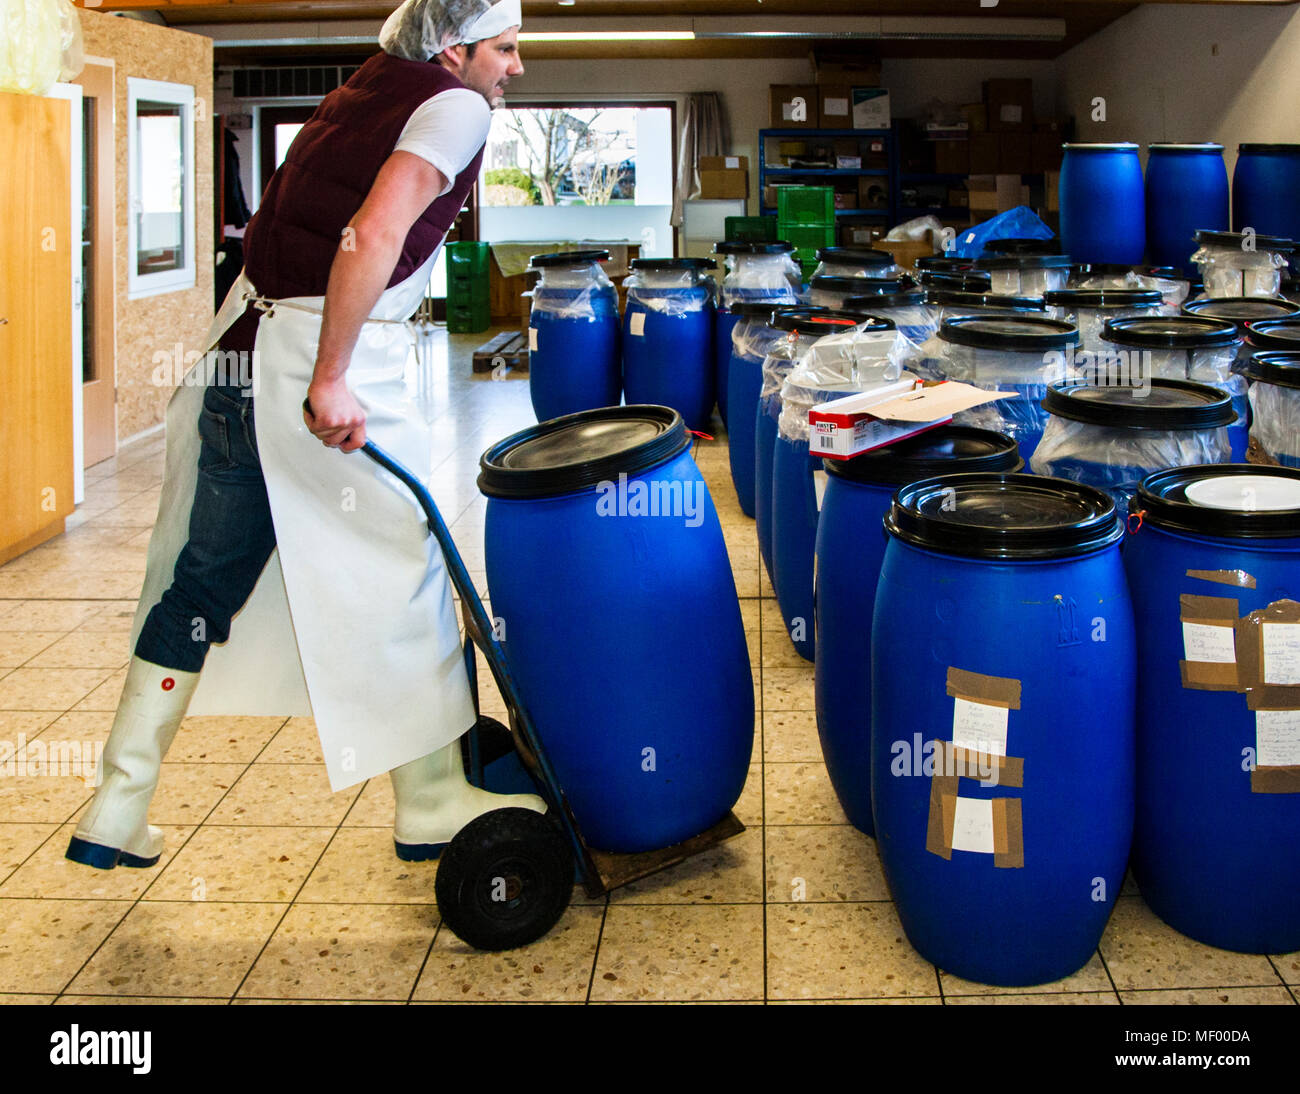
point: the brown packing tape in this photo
(965, 764)
(1239, 578)
(995, 691)
(1008, 834)
(1262, 695)
(1275, 780)
(943, 814)
(1211, 610)
(1209, 675)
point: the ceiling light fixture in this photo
(607, 36)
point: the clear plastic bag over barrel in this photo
(1028, 374)
(1027, 281)
(1091, 321)
(1233, 271)
(780, 359)
(754, 338)
(671, 292)
(1276, 421)
(1116, 459)
(773, 277)
(573, 292)
(40, 46)
(835, 366)
(1174, 289)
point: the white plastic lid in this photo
(1245, 493)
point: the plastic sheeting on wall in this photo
(40, 46)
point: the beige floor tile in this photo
(9, 1000)
(1143, 952)
(344, 951)
(42, 799)
(284, 794)
(49, 615)
(361, 862)
(788, 688)
(790, 736)
(749, 809)
(1288, 966)
(48, 689)
(1065, 998)
(297, 742)
(134, 1001)
(822, 863)
(555, 968)
(241, 863)
(222, 739)
(1092, 977)
(680, 952)
(374, 807)
(48, 875)
(85, 650)
(849, 951)
(919, 1001)
(117, 617)
(1209, 997)
(107, 695)
(84, 728)
(731, 873)
(25, 724)
(44, 942)
(19, 647)
(800, 794)
(187, 792)
(192, 948)
(18, 841)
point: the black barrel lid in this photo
(1240, 309)
(964, 281)
(1023, 246)
(867, 302)
(860, 286)
(569, 454)
(1101, 269)
(756, 309)
(1024, 262)
(1027, 334)
(948, 449)
(743, 247)
(944, 298)
(1167, 273)
(1208, 147)
(819, 321)
(1234, 239)
(1274, 367)
(1162, 500)
(1004, 517)
(1104, 298)
(948, 263)
(567, 258)
(1170, 404)
(1118, 146)
(852, 256)
(673, 264)
(1283, 334)
(1170, 332)
(1268, 149)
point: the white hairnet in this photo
(421, 29)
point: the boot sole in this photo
(418, 852)
(105, 858)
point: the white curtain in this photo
(705, 132)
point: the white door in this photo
(72, 93)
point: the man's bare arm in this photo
(362, 266)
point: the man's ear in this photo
(453, 57)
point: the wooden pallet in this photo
(507, 352)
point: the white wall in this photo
(1162, 80)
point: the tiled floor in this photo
(272, 888)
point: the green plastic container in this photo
(466, 317)
(803, 206)
(467, 286)
(751, 229)
(808, 240)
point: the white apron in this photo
(352, 620)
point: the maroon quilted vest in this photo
(291, 241)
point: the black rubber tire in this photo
(505, 879)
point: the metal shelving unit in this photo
(816, 176)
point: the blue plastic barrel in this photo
(573, 362)
(850, 547)
(752, 337)
(1002, 652)
(756, 273)
(908, 310)
(1186, 190)
(1113, 437)
(614, 597)
(1264, 187)
(794, 539)
(1215, 852)
(668, 337)
(1103, 206)
(1274, 377)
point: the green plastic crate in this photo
(808, 240)
(467, 290)
(751, 229)
(804, 205)
(468, 259)
(468, 318)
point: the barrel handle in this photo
(1132, 530)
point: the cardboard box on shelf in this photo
(1045, 152)
(1052, 190)
(844, 68)
(958, 198)
(995, 193)
(848, 163)
(835, 106)
(846, 200)
(794, 106)
(1013, 153)
(870, 108)
(858, 235)
(724, 177)
(985, 153)
(952, 157)
(906, 251)
(873, 192)
(1010, 105)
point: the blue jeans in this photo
(231, 537)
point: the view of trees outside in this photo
(556, 156)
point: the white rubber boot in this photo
(435, 801)
(115, 831)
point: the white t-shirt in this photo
(447, 131)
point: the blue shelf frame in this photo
(889, 212)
